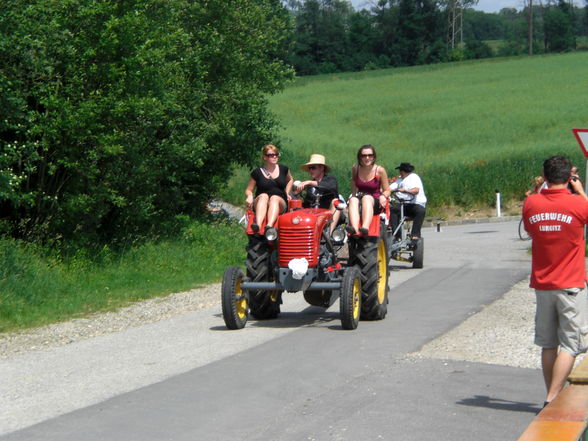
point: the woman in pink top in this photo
(369, 184)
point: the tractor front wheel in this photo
(371, 257)
(263, 304)
(235, 304)
(350, 301)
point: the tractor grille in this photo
(296, 243)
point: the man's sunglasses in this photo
(313, 167)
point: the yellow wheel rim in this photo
(356, 297)
(240, 301)
(382, 271)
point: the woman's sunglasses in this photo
(272, 155)
(367, 155)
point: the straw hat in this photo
(315, 160)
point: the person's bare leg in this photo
(276, 206)
(548, 356)
(336, 216)
(562, 367)
(367, 211)
(354, 213)
(260, 208)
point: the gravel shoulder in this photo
(501, 333)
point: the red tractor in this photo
(360, 282)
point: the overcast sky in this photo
(497, 5)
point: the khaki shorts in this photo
(561, 320)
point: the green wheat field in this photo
(468, 128)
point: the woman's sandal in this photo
(350, 229)
(363, 231)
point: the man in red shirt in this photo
(555, 219)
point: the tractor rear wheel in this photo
(350, 301)
(263, 304)
(234, 300)
(371, 257)
(418, 254)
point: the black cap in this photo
(405, 167)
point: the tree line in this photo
(330, 36)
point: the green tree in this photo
(116, 116)
(559, 28)
(586, 18)
(515, 32)
(480, 25)
(362, 40)
(322, 32)
(385, 16)
(420, 25)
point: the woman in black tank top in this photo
(272, 183)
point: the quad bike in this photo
(273, 266)
(369, 253)
(404, 249)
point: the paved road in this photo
(296, 378)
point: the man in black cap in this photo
(409, 189)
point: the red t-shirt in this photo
(555, 219)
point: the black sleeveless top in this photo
(271, 186)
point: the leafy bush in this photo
(115, 116)
(475, 49)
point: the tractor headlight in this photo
(271, 234)
(338, 235)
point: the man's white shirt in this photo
(411, 181)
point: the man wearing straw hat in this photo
(325, 184)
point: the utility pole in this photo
(455, 23)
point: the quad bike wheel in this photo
(234, 301)
(418, 254)
(388, 237)
(320, 298)
(371, 257)
(350, 301)
(263, 304)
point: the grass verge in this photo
(38, 287)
